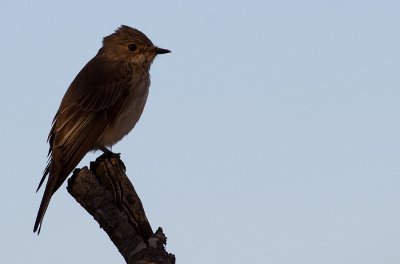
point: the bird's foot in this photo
(108, 153)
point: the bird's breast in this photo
(128, 115)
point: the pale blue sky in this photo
(271, 132)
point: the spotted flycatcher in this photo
(101, 106)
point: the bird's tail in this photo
(51, 187)
(42, 209)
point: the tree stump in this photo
(106, 193)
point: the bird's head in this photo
(129, 44)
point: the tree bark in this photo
(107, 194)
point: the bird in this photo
(101, 106)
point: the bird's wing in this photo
(92, 100)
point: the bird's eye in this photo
(132, 47)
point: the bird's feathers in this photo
(102, 105)
(83, 116)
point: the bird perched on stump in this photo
(101, 106)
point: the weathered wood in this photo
(107, 194)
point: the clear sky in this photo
(271, 132)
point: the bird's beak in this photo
(162, 51)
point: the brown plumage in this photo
(101, 106)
